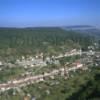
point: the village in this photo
(38, 62)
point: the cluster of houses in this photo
(70, 53)
(39, 61)
(34, 79)
(32, 61)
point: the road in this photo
(32, 79)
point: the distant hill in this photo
(84, 29)
(14, 41)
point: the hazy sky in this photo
(26, 13)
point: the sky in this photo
(33, 13)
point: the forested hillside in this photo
(33, 40)
(90, 90)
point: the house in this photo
(1, 63)
(90, 47)
(23, 57)
(91, 52)
(52, 77)
(3, 89)
(56, 62)
(41, 55)
(60, 56)
(79, 65)
(26, 98)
